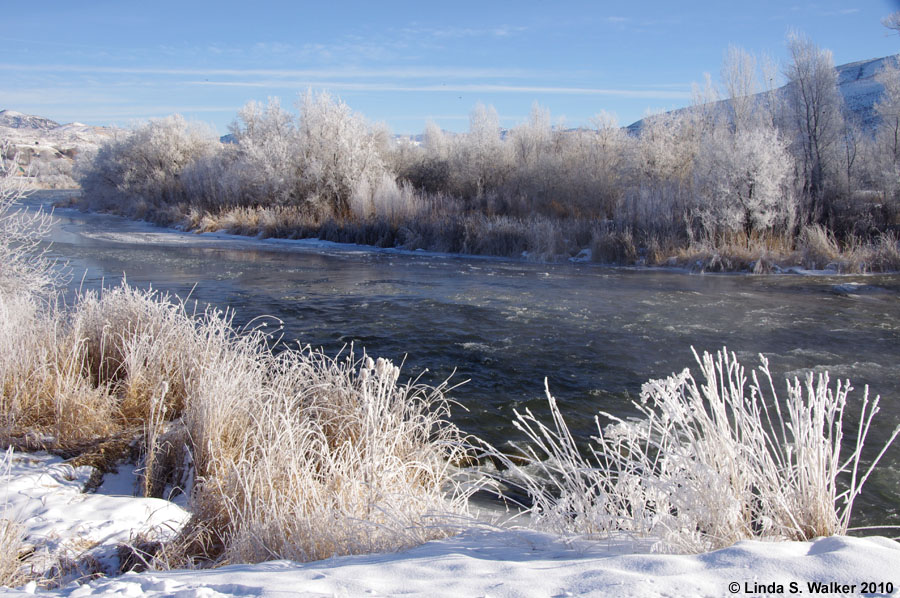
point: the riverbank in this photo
(537, 239)
(481, 561)
(368, 289)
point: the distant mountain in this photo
(856, 82)
(44, 149)
(17, 120)
(41, 133)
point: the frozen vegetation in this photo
(279, 455)
(46, 151)
(747, 178)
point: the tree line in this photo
(748, 171)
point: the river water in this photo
(595, 333)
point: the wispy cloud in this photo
(663, 93)
(320, 73)
(421, 32)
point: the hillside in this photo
(47, 150)
(856, 82)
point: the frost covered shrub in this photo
(304, 457)
(24, 268)
(707, 465)
(144, 167)
(744, 183)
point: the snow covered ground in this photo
(45, 496)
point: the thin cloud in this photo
(462, 32)
(457, 88)
(398, 73)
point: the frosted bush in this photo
(23, 266)
(707, 465)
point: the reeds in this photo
(706, 465)
(294, 455)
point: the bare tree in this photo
(814, 108)
(739, 77)
(24, 266)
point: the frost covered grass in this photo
(333, 457)
(706, 465)
(818, 249)
(284, 452)
(11, 544)
(293, 454)
(12, 540)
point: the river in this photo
(502, 326)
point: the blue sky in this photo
(402, 63)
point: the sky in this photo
(401, 63)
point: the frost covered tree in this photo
(814, 113)
(532, 160)
(741, 83)
(267, 161)
(24, 268)
(888, 110)
(146, 165)
(427, 167)
(338, 151)
(887, 135)
(531, 139)
(892, 21)
(479, 162)
(744, 183)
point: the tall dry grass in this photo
(291, 454)
(706, 465)
(333, 456)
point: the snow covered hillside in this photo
(47, 150)
(856, 82)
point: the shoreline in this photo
(318, 244)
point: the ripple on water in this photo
(596, 333)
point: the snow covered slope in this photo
(44, 496)
(46, 150)
(27, 129)
(856, 82)
(17, 120)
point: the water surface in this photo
(596, 334)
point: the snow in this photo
(45, 495)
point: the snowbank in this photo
(62, 522)
(46, 497)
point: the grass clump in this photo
(11, 545)
(334, 457)
(289, 453)
(707, 465)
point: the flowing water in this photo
(595, 333)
